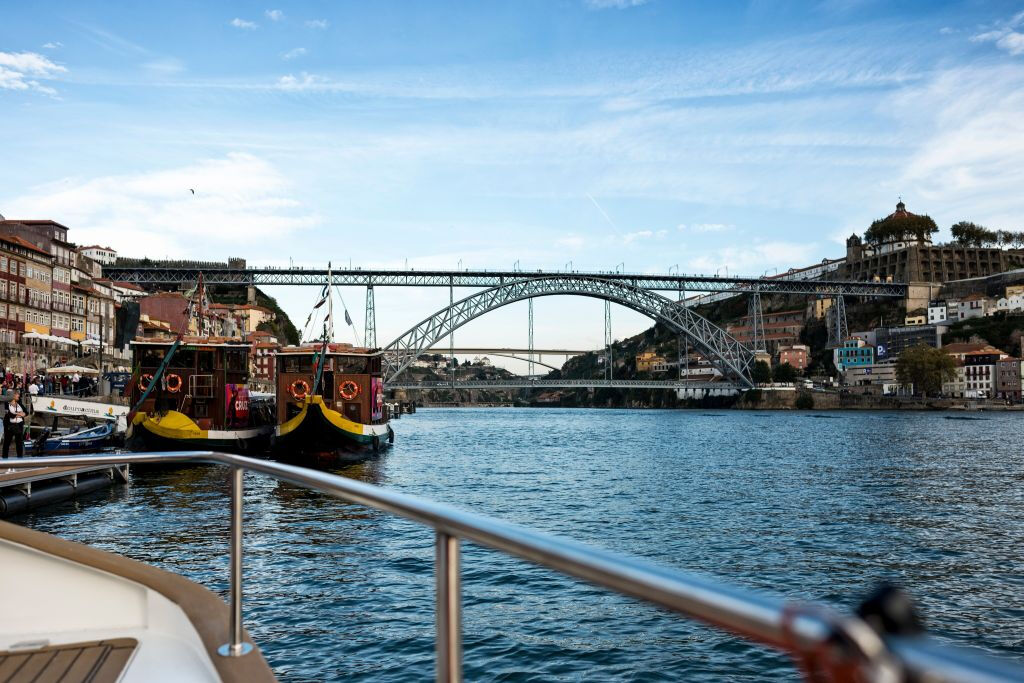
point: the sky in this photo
(721, 137)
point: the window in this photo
(14, 267)
(21, 267)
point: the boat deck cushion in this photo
(98, 661)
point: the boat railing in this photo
(825, 644)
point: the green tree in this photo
(973, 235)
(926, 368)
(784, 373)
(901, 229)
(762, 373)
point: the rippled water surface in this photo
(814, 506)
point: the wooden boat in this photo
(193, 394)
(88, 439)
(81, 614)
(341, 419)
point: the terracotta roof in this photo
(974, 297)
(963, 347)
(14, 239)
(900, 212)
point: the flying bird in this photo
(191, 190)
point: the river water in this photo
(815, 506)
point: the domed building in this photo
(899, 248)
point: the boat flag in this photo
(324, 293)
(348, 318)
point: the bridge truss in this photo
(171, 276)
(565, 384)
(731, 357)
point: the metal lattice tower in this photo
(756, 317)
(529, 340)
(370, 331)
(838, 330)
(608, 358)
(451, 327)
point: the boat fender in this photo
(348, 390)
(299, 389)
(173, 383)
(376, 444)
(391, 434)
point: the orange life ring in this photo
(174, 387)
(145, 381)
(296, 386)
(348, 390)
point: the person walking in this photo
(14, 425)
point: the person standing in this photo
(76, 381)
(14, 425)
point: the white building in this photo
(104, 255)
(1011, 304)
(973, 306)
(938, 312)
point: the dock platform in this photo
(26, 488)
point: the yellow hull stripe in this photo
(173, 425)
(333, 416)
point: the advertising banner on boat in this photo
(76, 406)
(236, 405)
(377, 397)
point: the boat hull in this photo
(176, 432)
(319, 434)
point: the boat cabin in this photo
(351, 383)
(205, 379)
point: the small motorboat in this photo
(89, 439)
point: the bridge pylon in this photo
(370, 330)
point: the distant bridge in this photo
(565, 384)
(463, 350)
(159, 275)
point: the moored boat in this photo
(192, 393)
(88, 439)
(330, 404)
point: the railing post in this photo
(236, 647)
(449, 608)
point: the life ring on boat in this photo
(348, 390)
(145, 381)
(299, 389)
(173, 383)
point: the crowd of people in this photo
(41, 384)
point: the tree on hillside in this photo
(973, 235)
(762, 373)
(905, 228)
(926, 368)
(784, 372)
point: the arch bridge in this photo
(731, 357)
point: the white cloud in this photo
(303, 81)
(53, 45)
(947, 30)
(1012, 42)
(755, 258)
(1004, 36)
(968, 162)
(317, 23)
(296, 52)
(274, 14)
(614, 4)
(239, 197)
(705, 227)
(631, 237)
(20, 71)
(167, 66)
(243, 24)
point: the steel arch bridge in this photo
(731, 357)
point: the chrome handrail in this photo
(818, 638)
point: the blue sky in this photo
(741, 136)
